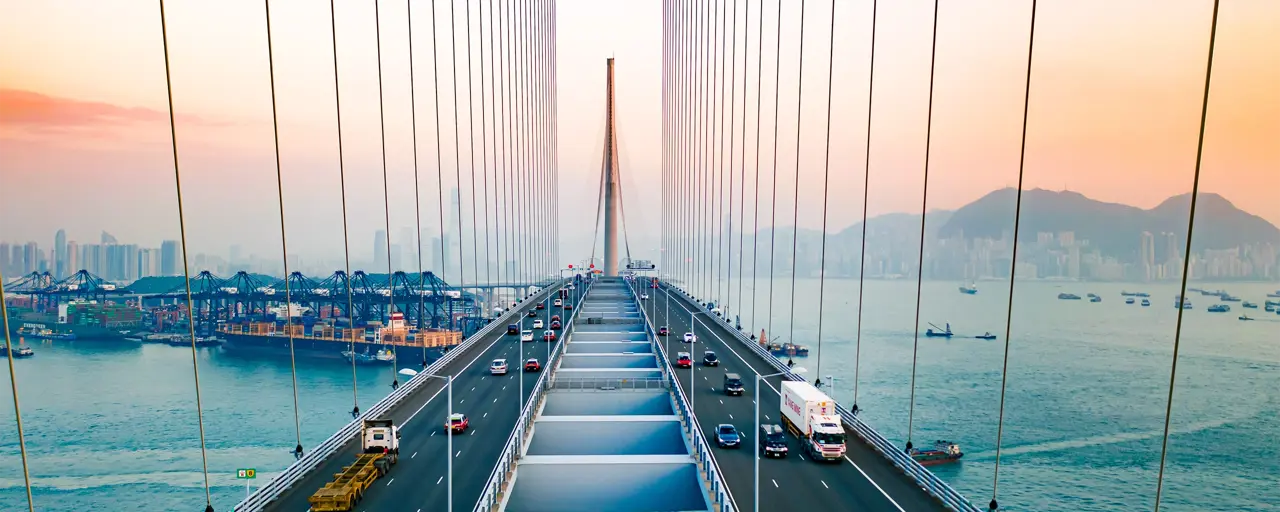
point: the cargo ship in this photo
(76, 320)
(942, 452)
(333, 339)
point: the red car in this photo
(684, 360)
(555, 324)
(662, 331)
(555, 318)
(458, 423)
(548, 335)
(532, 365)
(568, 305)
(540, 306)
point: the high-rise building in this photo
(5, 260)
(1148, 255)
(379, 250)
(108, 239)
(60, 254)
(169, 256)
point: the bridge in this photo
(607, 421)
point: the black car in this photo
(513, 329)
(532, 313)
(709, 359)
(773, 442)
(732, 384)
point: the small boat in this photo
(379, 357)
(19, 352)
(1226, 297)
(986, 336)
(1250, 305)
(1219, 308)
(1146, 302)
(1129, 300)
(969, 289)
(1134, 294)
(1095, 298)
(1245, 317)
(940, 333)
(788, 349)
(1068, 296)
(941, 453)
(1179, 302)
(1275, 295)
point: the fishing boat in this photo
(986, 336)
(379, 357)
(19, 352)
(1250, 305)
(1179, 302)
(969, 289)
(940, 333)
(1094, 298)
(1219, 308)
(940, 453)
(1226, 297)
(1245, 317)
(1129, 300)
(1146, 302)
(1068, 296)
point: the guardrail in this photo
(723, 498)
(925, 479)
(498, 480)
(607, 384)
(308, 462)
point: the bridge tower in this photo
(611, 179)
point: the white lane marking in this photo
(459, 454)
(463, 400)
(801, 456)
(473, 388)
(877, 486)
(415, 454)
(775, 482)
(433, 432)
(766, 416)
(495, 400)
(722, 402)
(473, 432)
(824, 484)
(441, 479)
(730, 416)
(389, 482)
(504, 388)
(486, 415)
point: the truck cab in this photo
(381, 436)
(811, 415)
(732, 384)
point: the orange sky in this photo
(1114, 109)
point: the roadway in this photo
(420, 480)
(863, 481)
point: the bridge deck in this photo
(864, 481)
(607, 437)
(420, 480)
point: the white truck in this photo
(811, 415)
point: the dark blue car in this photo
(727, 436)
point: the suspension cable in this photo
(866, 188)
(484, 151)
(417, 198)
(498, 184)
(795, 211)
(13, 387)
(1186, 262)
(773, 209)
(700, 146)
(386, 196)
(924, 203)
(1013, 262)
(346, 239)
(186, 270)
(826, 175)
(508, 133)
(755, 188)
(717, 169)
(284, 246)
(742, 160)
(444, 237)
(471, 158)
(457, 151)
(555, 128)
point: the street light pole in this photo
(448, 419)
(755, 465)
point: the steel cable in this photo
(742, 160)
(717, 132)
(773, 208)
(1017, 221)
(13, 387)
(866, 188)
(386, 196)
(700, 141)
(186, 265)
(471, 158)
(755, 188)
(346, 238)
(795, 211)
(826, 180)
(417, 197)
(499, 184)
(924, 203)
(508, 133)
(457, 151)
(435, 76)
(1186, 261)
(555, 126)
(484, 148)
(284, 246)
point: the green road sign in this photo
(247, 473)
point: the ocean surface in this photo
(113, 428)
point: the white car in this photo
(559, 303)
(499, 367)
(644, 296)
(690, 338)
(526, 335)
(537, 324)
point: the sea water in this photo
(113, 427)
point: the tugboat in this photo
(986, 336)
(969, 289)
(1219, 308)
(942, 452)
(940, 333)
(1245, 318)
(19, 352)
(1250, 305)
(1129, 300)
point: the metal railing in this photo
(925, 479)
(500, 477)
(607, 383)
(308, 462)
(723, 499)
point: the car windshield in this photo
(733, 382)
(710, 356)
(774, 437)
(828, 438)
(728, 430)
(457, 418)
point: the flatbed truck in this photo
(380, 449)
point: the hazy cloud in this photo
(37, 113)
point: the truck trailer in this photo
(811, 415)
(380, 449)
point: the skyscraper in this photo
(1148, 255)
(379, 250)
(169, 258)
(60, 254)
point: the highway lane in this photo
(419, 480)
(864, 481)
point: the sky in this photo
(1114, 112)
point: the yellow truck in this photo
(380, 449)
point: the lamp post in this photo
(449, 425)
(755, 481)
(831, 379)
